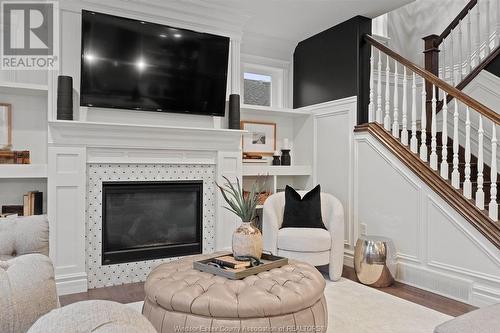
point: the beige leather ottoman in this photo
(287, 299)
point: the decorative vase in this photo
(285, 157)
(247, 241)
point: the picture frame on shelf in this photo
(261, 138)
(5, 126)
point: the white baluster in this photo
(378, 116)
(423, 125)
(452, 60)
(460, 46)
(395, 124)
(404, 120)
(469, 43)
(493, 206)
(413, 140)
(371, 105)
(487, 48)
(497, 33)
(480, 166)
(478, 35)
(443, 55)
(387, 117)
(444, 139)
(467, 184)
(455, 174)
(433, 157)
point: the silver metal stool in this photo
(375, 261)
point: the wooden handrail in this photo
(455, 21)
(428, 76)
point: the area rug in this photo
(355, 308)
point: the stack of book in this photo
(14, 157)
(33, 203)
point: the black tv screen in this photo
(130, 64)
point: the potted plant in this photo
(247, 239)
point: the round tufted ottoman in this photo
(287, 299)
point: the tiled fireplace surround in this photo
(83, 155)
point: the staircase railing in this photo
(406, 117)
(465, 43)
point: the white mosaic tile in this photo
(110, 275)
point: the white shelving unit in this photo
(257, 110)
(276, 170)
(14, 171)
(23, 88)
(30, 102)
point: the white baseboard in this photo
(71, 283)
(348, 258)
(444, 284)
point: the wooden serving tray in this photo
(269, 262)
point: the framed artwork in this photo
(5, 126)
(261, 138)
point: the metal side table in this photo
(375, 261)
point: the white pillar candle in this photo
(286, 144)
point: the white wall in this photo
(438, 250)
(406, 26)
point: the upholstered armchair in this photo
(27, 286)
(315, 246)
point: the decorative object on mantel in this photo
(14, 157)
(285, 153)
(276, 158)
(234, 111)
(64, 97)
(261, 138)
(247, 239)
(286, 159)
(5, 126)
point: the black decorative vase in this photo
(64, 97)
(285, 157)
(234, 111)
(276, 160)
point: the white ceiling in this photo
(296, 20)
(270, 28)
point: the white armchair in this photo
(315, 246)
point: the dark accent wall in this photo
(494, 66)
(334, 64)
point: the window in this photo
(257, 89)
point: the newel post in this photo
(431, 64)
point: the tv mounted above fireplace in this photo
(143, 66)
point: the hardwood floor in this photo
(430, 300)
(134, 292)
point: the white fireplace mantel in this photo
(93, 134)
(75, 144)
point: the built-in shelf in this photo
(257, 110)
(23, 88)
(10, 171)
(276, 170)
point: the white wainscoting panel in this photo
(66, 200)
(333, 124)
(438, 250)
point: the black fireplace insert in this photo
(151, 220)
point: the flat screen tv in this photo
(130, 64)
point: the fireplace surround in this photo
(144, 220)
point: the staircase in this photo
(454, 151)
